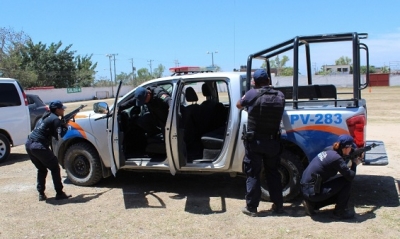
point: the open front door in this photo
(114, 137)
(176, 152)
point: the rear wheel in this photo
(5, 148)
(83, 165)
(291, 171)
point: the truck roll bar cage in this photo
(296, 42)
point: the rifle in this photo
(358, 152)
(72, 114)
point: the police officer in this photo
(157, 101)
(320, 183)
(37, 147)
(265, 107)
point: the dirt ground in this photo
(138, 205)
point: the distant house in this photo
(337, 69)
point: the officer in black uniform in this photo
(321, 184)
(38, 148)
(265, 108)
(157, 101)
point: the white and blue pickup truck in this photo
(103, 141)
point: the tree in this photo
(279, 64)
(363, 69)
(143, 75)
(125, 78)
(85, 71)
(343, 60)
(158, 72)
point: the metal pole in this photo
(112, 86)
(115, 70)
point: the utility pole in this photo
(112, 85)
(133, 72)
(151, 71)
(115, 72)
(212, 56)
(176, 63)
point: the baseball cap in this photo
(346, 141)
(260, 75)
(56, 104)
(140, 95)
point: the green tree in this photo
(143, 75)
(343, 60)
(53, 66)
(159, 71)
(85, 71)
(278, 63)
(363, 69)
(287, 71)
(125, 78)
(385, 69)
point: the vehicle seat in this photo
(213, 114)
(189, 115)
(212, 143)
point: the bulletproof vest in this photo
(266, 114)
(43, 129)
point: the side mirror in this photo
(100, 107)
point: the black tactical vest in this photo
(266, 114)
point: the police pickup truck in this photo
(204, 128)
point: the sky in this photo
(181, 32)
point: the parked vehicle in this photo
(103, 141)
(36, 108)
(14, 116)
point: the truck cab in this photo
(203, 131)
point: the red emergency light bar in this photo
(184, 69)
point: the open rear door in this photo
(114, 137)
(176, 154)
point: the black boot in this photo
(62, 195)
(42, 197)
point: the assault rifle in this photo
(358, 152)
(72, 114)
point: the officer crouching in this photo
(320, 183)
(265, 107)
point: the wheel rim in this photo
(285, 176)
(81, 166)
(2, 148)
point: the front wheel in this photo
(291, 171)
(82, 164)
(5, 148)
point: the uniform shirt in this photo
(46, 128)
(327, 164)
(248, 98)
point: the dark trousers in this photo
(150, 125)
(43, 158)
(258, 153)
(336, 191)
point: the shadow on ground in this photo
(15, 158)
(370, 193)
(196, 190)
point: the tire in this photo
(5, 148)
(82, 164)
(291, 171)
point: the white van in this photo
(14, 116)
